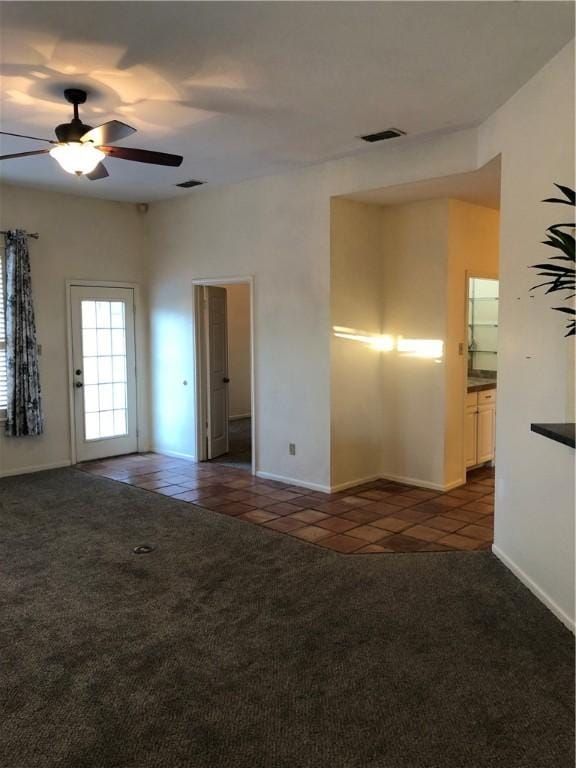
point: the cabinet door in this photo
(471, 435)
(486, 433)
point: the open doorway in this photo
(482, 331)
(224, 372)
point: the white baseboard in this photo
(534, 588)
(353, 483)
(174, 454)
(37, 468)
(420, 483)
(293, 481)
(240, 416)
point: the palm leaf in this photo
(562, 276)
(569, 194)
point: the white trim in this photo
(174, 454)
(138, 340)
(423, 483)
(38, 468)
(398, 479)
(352, 483)
(240, 416)
(534, 588)
(293, 481)
(199, 362)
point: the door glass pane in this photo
(90, 370)
(88, 314)
(117, 314)
(92, 421)
(107, 424)
(104, 367)
(105, 370)
(119, 369)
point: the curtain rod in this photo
(35, 235)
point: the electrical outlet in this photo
(292, 449)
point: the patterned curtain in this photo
(24, 411)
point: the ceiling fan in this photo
(80, 148)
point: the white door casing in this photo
(217, 370)
(104, 375)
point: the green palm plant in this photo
(562, 276)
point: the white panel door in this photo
(217, 367)
(104, 371)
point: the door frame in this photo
(200, 373)
(69, 355)
(468, 275)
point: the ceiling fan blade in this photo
(143, 156)
(22, 136)
(99, 172)
(108, 132)
(25, 154)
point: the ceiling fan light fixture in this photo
(77, 157)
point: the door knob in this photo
(78, 384)
(78, 371)
(225, 380)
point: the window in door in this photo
(104, 366)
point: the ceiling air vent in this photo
(390, 133)
(190, 183)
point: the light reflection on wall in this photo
(426, 349)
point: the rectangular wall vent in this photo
(390, 133)
(191, 183)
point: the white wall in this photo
(415, 255)
(356, 304)
(278, 230)
(80, 238)
(534, 528)
(239, 365)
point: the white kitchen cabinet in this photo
(471, 435)
(480, 427)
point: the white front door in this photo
(104, 371)
(217, 367)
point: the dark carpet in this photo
(231, 646)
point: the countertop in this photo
(480, 384)
(561, 433)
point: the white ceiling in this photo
(481, 187)
(250, 89)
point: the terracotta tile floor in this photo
(377, 517)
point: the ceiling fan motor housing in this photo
(72, 131)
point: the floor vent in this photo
(143, 549)
(190, 183)
(390, 133)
